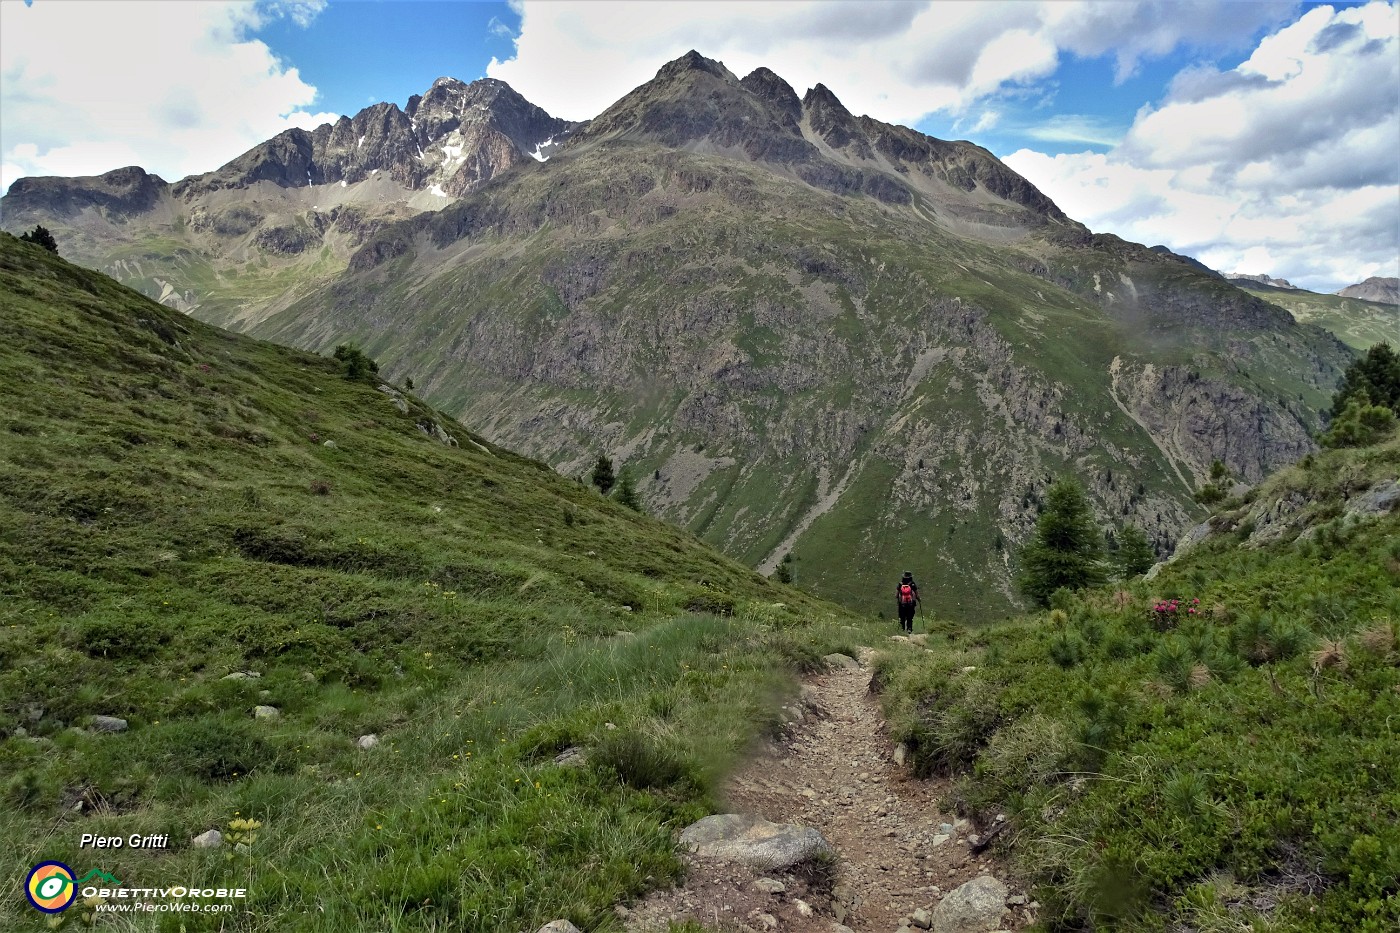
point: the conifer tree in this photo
(1135, 555)
(1067, 550)
(627, 491)
(41, 236)
(1376, 375)
(603, 476)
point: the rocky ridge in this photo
(284, 200)
(1261, 280)
(1376, 288)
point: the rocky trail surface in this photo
(899, 862)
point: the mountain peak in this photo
(768, 86)
(1376, 288)
(694, 61)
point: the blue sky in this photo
(1258, 136)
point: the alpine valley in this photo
(802, 331)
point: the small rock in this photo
(901, 753)
(968, 670)
(208, 840)
(975, 907)
(769, 885)
(767, 921)
(264, 694)
(20, 732)
(266, 712)
(921, 918)
(308, 677)
(401, 405)
(366, 742)
(34, 712)
(919, 639)
(841, 928)
(1016, 900)
(108, 724)
(803, 908)
(939, 840)
(559, 926)
(609, 726)
(571, 757)
(754, 841)
(844, 661)
(242, 848)
(330, 444)
(242, 675)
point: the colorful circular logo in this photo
(50, 887)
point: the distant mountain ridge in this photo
(297, 204)
(1376, 288)
(1260, 280)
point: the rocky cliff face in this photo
(1383, 290)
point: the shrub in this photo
(216, 749)
(123, 636)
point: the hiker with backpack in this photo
(907, 599)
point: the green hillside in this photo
(194, 524)
(1357, 323)
(1213, 749)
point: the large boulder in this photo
(738, 837)
(975, 907)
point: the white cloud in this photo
(177, 88)
(500, 29)
(896, 61)
(1285, 165)
(1073, 128)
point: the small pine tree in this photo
(1376, 375)
(784, 572)
(1359, 424)
(1067, 550)
(603, 476)
(408, 383)
(1135, 554)
(627, 492)
(41, 236)
(358, 366)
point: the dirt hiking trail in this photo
(834, 769)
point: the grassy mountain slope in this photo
(179, 504)
(814, 333)
(1212, 749)
(1357, 323)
